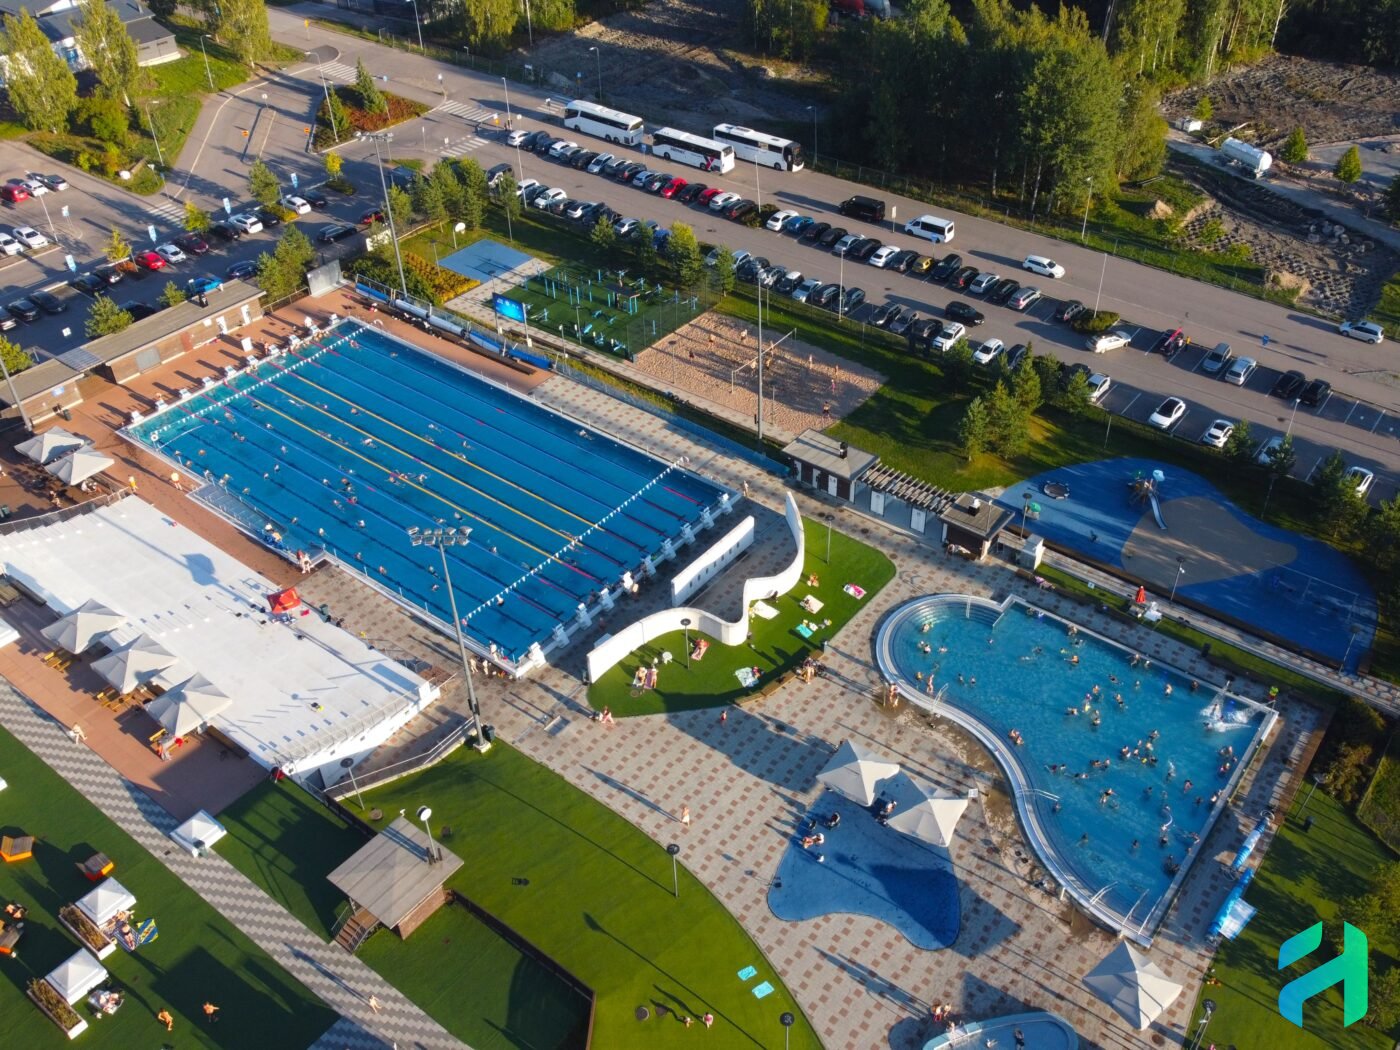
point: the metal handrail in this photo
(10, 528)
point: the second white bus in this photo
(699, 152)
(610, 124)
(783, 154)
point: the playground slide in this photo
(1156, 509)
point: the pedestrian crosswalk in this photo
(475, 117)
(167, 210)
(337, 71)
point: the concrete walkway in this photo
(340, 979)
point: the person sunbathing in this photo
(833, 821)
(808, 841)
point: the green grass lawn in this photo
(776, 645)
(593, 892)
(198, 956)
(1302, 878)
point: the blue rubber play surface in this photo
(348, 441)
(870, 870)
(1302, 591)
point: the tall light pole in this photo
(510, 120)
(673, 849)
(442, 539)
(1084, 227)
(787, 1020)
(828, 518)
(419, 23)
(598, 55)
(207, 71)
(814, 133)
(529, 24)
(387, 136)
(1026, 498)
(154, 137)
(442, 86)
(685, 623)
(1180, 572)
(759, 293)
(1209, 1007)
(1102, 273)
(425, 813)
(326, 88)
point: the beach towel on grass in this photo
(803, 630)
(854, 590)
(746, 677)
(764, 610)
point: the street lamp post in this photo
(1209, 1007)
(207, 71)
(348, 764)
(326, 89)
(814, 133)
(1026, 498)
(387, 136)
(442, 539)
(787, 1020)
(674, 849)
(1180, 572)
(14, 395)
(1084, 228)
(828, 518)
(425, 814)
(156, 138)
(685, 623)
(510, 119)
(419, 23)
(1102, 273)
(529, 24)
(1317, 781)
(598, 56)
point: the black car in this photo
(48, 302)
(612, 167)
(1315, 392)
(740, 210)
(7, 320)
(687, 193)
(900, 262)
(567, 157)
(1168, 344)
(824, 296)
(496, 174)
(861, 251)
(851, 299)
(658, 182)
(958, 310)
(534, 139)
(192, 243)
(24, 309)
(225, 231)
(883, 315)
(335, 232)
(269, 217)
(316, 199)
(903, 320)
(1012, 358)
(583, 158)
(831, 236)
(1004, 290)
(815, 232)
(241, 271)
(787, 282)
(1069, 310)
(946, 267)
(1289, 385)
(546, 143)
(963, 277)
(533, 192)
(629, 171)
(108, 272)
(924, 331)
(749, 268)
(140, 311)
(90, 283)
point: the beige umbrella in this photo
(854, 772)
(77, 467)
(1132, 984)
(135, 665)
(76, 632)
(923, 812)
(189, 706)
(49, 445)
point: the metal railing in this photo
(10, 528)
(343, 789)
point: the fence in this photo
(10, 528)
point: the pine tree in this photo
(118, 247)
(1337, 505)
(1239, 446)
(14, 356)
(603, 236)
(196, 218)
(1392, 199)
(1282, 457)
(105, 317)
(973, 429)
(724, 271)
(109, 50)
(263, 186)
(683, 253)
(336, 118)
(428, 200)
(400, 207)
(508, 198)
(1204, 109)
(467, 191)
(1295, 150)
(172, 294)
(40, 86)
(1348, 167)
(372, 100)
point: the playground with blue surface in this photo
(1168, 528)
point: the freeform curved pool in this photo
(1118, 766)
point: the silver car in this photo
(1241, 368)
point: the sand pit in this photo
(802, 386)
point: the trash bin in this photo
(488, 733)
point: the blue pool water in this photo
(348, 441)
(1012, 671)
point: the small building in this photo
(397, 877)
(828, 464)
(973, 524)
(59, 19)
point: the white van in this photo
(931, 227)
(1043, 266)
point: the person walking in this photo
(175, 480)
(131, 482)
(685, 817)
(373, 1002)
(1020, 1038)
(166, 1019)
(724, 717)
(211, 1012)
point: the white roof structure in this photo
(923, 812)
(198, 833)
(134, 664)
(108, 898)
(390, 875)
(77, 631)
(78, 466)
(305, 693)
(49, 445)
(1132, 984)
(854, 772)
(78, 976)
(190, 706)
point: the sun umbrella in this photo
(49, 445)
(1132, 984)
(77, 631)
(1141, 598)
(284, 601)
(136, 664)
(77, 467)
(923, 812)
(854, 772)
(189, 706)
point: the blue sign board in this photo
(508, 308)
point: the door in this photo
(833, 483)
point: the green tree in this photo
(604, 237)
(172, 294)
(196, 218)
(334, 162)
(1282, 457)
(1295, 150)
(488, 24)
(105, 317)
(683, 253)
(957, 365)
(109, 50)
(507, 197)
(243, 27)
(283, 270)
(15, 358)
(400, 207)
(372, 100)
(336, 119)
(1076, 397)
(1025, 385)
(473, 195)
(428, 200)
(1051, 372)
(974, 429)
(1383, 997)
(163, 9)
(263, 185)
(1239, 446)
(1348, 167)
(1337, 506)
(40, 86)
(1204, 108)
(648, 261)
(1008, 423)
(724, 272)
(106, 118)
(118, 247)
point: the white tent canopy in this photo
(1132, 984)
(80, 628)
(78, 976)
(108, 898)
(854, 772)
(199, 833)
(77, 467)
(923, 812)
(189, 706)
(49, 445)
(135, 664)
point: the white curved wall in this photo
(612, 649)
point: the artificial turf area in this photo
(594, 893)
(1300, 882)
(198, 956)
(776, 645)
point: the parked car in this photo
(299, 205)
(900, 261)
(89, 283)
(332, 233)
(53, 182)
(15, 192)
(788, 282)
(824, 296)
(582, 159)
(598, 163)
(851, 298)
(30, 237)
(1217, 359)
(140, 311)
(920, 265)
(673, 187)
(318, 200)
(905, 319)
(1068, 311)
(48, 302)
(1043, 266)
(946, 267)
(963, 312)
(1106, 341)
(109, 272)
(1218, 433)
(247, 223)
(798, 224)
(626, 227)
(521, 189)
(778, 218)
(7, 320)
(497, 174)
(1265, 456)
(722, 200)
(546, 197)
(1168, 414)
(882, 314)
(657, 181)
(34, 186)
(1366, 331)
(804, 290)
(949, 334)
(828, 239)
(269, 217)
(846, 243)
(1289, 385)
(241, 271)
(813, 233)
(690, 192)
(9, 246)
(1099, 385)
(578, 209)
(1169, 344)
(149, 260)
(740, 211)
(518, 137)
(203, 285)
(224, 231)
(750, 267)
(865, 250)
(171, 253)
(988, 352)
(706, 196)
(192, 243)
(1362, 478)
(1315, 393)
(559, 146)
(25, 309)
(1023, 298)
(1003, 290)
(963, 278)
(1241, 368)
(1016, 355)
(982, 283)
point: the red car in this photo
(14, 192)
(673, 187)
(148, 261)
(372, 216)
(705, 198)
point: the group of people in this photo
(814, 839)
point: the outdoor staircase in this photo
(355, 929)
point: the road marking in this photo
(1124, 410)
(337, 71)
(1323, 404)
(1316, 463)
(1354, 406)
(169, 210)
(465, 111)
(1377, 422)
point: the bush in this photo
(753, 219)
(1092, 322)
(444, 284)
(1351, 749)
(340, 184)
